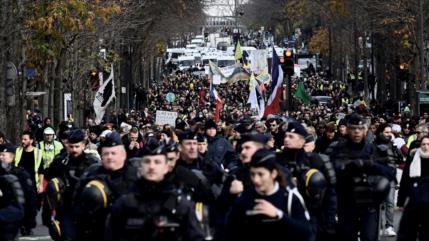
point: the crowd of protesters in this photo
(222, 144)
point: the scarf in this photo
(416, 164)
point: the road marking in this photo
(35, 238)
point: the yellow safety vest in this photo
(37, 158)
(49, 155)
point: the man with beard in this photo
(66, 169)
(276, 132)
(30, 159)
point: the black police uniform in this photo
(414, 222)
(29, 189)
(92, 208)
(30, 207)
(155, 211)
(292, 224)
(69, 170)
(362, 184)
(11, 206)
(315, 179)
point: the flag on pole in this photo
(302, 94)
(256, 99)
(238, 55)
(277, 80)
(103, 97)
(219, 103)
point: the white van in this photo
(186, 62)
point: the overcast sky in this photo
(222, 7)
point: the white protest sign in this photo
(166, 117)
(216, 79)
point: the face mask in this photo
(49, 147)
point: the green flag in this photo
(302, 94)
(238, 54)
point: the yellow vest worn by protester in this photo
(48, 152)
(37, 159)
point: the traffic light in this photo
(94, 81)
(288, 62)
(403, 73)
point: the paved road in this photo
(41, 233)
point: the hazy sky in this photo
(222, 7)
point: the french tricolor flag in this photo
(273, 102)
(219, 104)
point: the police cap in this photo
(263, 158)
(112, 139)
(355, 119)
(76, 136)
(188, 135)
(7, 147)
(260, 138)
(295, 127)
(152, 148)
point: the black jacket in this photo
(90, 224)
(242, 226)
(154, 212)
(189, 182)
(69, 170)
(11, 206)
(414, 222)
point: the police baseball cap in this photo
(295, 127)
(152, 148)
(188, 135)
(76, 136)
(263, 158)
(8, 147)
(260, 138)
(355, 119)
(112, 139)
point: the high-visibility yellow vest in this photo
(37, 159)
(48, 155)
(411, 139)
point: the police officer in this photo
(7, 156)
(362, 183)
(12, 200)
(101, 186)
(238, 179)
(64, 174)
(267, 211)
(208, 171)
(156, 210)
(315, 179)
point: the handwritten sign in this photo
(165, 117)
